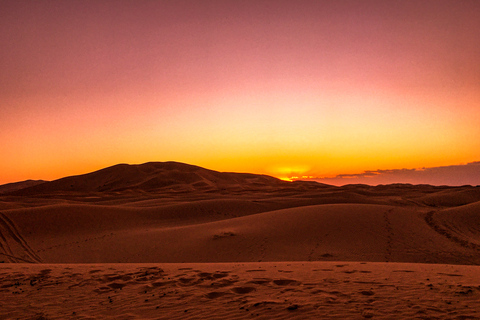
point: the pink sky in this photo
(286, 88)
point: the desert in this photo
(168, 240)
(222, 159)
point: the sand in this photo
(283, 290)
(169, 240)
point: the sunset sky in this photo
(286, 88)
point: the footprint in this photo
(205, 275)
(450, 274)
(223, 235)
(94, 271)
(102, 290)
(187, 281)
(260, 281)
(467, 291)
(266, 303)
(45, 272)
(243, 290)
(220, 274)
(367, 314)
(161, 283)
(463, 317)
(369, 282)
(221, 283)
(112, 277)
(367, 292)
(155, 269)
(285, 282)
(293, 307)
(317, 291)
(215, 294)
(116, 285)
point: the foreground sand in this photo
(283, 290)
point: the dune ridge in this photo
(151, 176)
(15, 186)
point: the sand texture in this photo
(169, 240)
(283, 290)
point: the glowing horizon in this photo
(304, 88)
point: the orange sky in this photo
(286, 88)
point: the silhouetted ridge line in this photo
(158, 176)
(14, 186)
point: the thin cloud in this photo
(456, 175)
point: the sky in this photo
(316, 89)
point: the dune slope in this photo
(185, 233)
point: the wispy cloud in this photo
(465, 174)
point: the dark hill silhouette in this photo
(14, 186)
(168, 177)
(157, 176)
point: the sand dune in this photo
(227, 245)
(12, 187)
(452, 198)
(216, 232)
(152, 176)
(460, 224)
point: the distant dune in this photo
(176, 241)
(15, 186)
(153, 176)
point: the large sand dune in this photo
(150, 177)
(166, 213)
(220, 232)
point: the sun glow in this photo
(289, 173)
(294, 92)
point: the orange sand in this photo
(279, 290)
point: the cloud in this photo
(456, 175)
